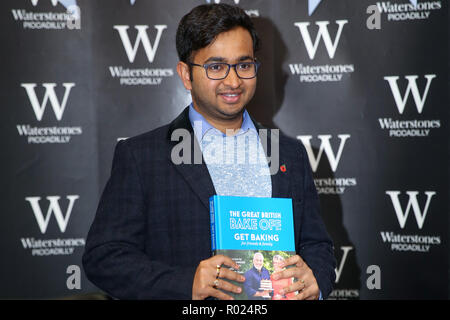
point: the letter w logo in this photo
(324, 146)
(52, 208)
(142, 36)
(50, 94)
(324, 34)
(402, 216)
(412, 87)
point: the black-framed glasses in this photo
(220, 70)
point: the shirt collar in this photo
(199, 122)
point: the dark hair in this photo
(204, 23)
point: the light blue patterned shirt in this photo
(236, 163)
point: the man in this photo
(253, 277)
(151, 235)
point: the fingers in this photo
(219, 288)
(231, 275)
(226, 286)
(209, 291)
(304, 281)
(220, 285)
(209, 278)
(293, 260)
(299, 269)
(296, 286)
(306, 286)
(288, 273)
(310, 292)
(223, 260)
(307, 289)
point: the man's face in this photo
(223, 99)
(258, 261)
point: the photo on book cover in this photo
(258, 266)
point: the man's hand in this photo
(205, 276)
(306, 283)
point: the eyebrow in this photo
(222, 59)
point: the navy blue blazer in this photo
(152, 229)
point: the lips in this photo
(230, 97)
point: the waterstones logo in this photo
(53, 208)
(410, 127)
(328, 185)
(414, 10)
(50, 134)
(412, 204)
(52, 247)
(53, 20)
(323, 73)
(410, 242)
(320, 73)
(140, 76)
(46, 247)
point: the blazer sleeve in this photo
(316, 246)
(114, 258)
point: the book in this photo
(257, 233)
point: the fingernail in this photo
(242, 278)
(238, 290)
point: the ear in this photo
(183, 73)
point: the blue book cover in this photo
(258, 234)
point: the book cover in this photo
(258, 234)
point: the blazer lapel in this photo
(196, 175)
(280, 180)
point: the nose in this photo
(232, 80)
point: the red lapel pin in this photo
(283, 168)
